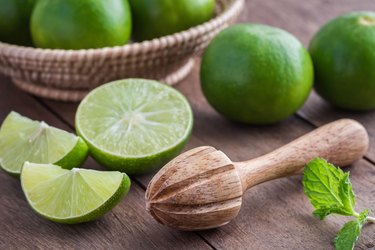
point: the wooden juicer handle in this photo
(341, 142)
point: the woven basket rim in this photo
(169, 39)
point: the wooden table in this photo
(275, 215)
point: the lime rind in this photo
(72, 196)
(159, 119)
(22, 139)
(136, 165)
(76, 157)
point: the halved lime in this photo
(134, 125)
(22, 139)
(72, 196)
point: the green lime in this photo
(83, 24)
(15, 21)
(344, 60)
(22, 139)
(256, 74)
(72, 196)
(134, 125)
(153, 19)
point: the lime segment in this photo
(134, 125)
(72, 196)
(22, 139)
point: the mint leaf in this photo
(349, 234)
(346, 194)
(328, 188)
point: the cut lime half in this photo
(134, 125)
(72, 196)
(22, 139)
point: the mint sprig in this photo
(349, 234)
(330, 192)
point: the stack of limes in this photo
(84, 24)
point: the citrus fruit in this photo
(154, 19)
(134, 125)
(15, 21)
(22, 139)
(256, 74)
(84, 24)
(72, 196)
(344, 60)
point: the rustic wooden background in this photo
(274, 216)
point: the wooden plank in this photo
(301, 18)
(318, 111)
(127, 226)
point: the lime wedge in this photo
(134, 125)
(72, 196)
(22, 139)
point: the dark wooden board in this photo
(274, 215)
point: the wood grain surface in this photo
(274, 215)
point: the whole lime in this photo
(343, 53)
(256, 74)
(83, 24)
(15, 21)
(154, 19)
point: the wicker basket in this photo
(69, 75)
